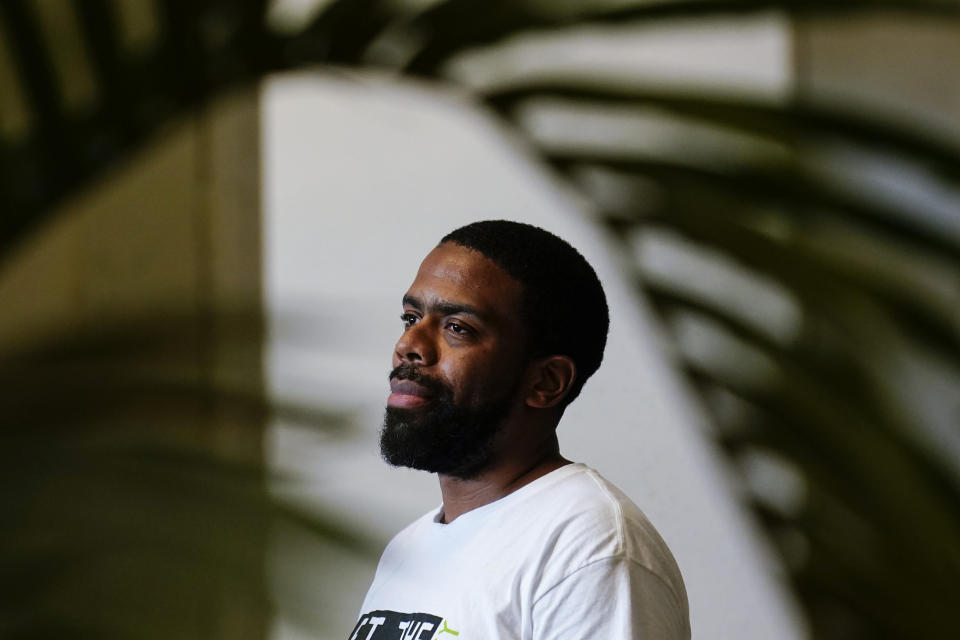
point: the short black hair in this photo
(564, 307)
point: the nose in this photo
(416, 346)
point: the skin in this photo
(463, 326)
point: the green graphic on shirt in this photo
(447, 629)
(393, 625)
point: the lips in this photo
(407, 394)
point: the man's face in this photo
(458, 365)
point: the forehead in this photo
(452, 273)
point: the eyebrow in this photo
(443, 307)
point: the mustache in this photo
(412, 373)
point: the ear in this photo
(550, 381)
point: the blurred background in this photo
(209, 211)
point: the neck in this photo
(503, 478)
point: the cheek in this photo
(477, 381)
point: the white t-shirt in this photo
(567, 556)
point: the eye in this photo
(408, 320)
(457, 328)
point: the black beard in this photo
(442, 437)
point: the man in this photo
(502, 326)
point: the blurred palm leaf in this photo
(135, 491)
(816, 312)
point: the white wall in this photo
(362, 178)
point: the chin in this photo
(442, 437)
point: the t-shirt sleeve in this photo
(611, 598)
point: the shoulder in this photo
(615, 598)
(410, 537)
(595, 522)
